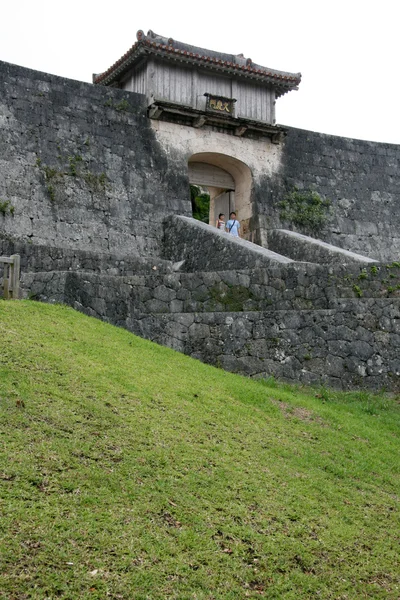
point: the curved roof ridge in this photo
(153, 43)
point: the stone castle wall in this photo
(362, 180)
(87, 184)
(39, 258)
(308, 323)
(81, 168)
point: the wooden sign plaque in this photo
(220, 104)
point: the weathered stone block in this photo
(176, 306)
(198, 331)
(156, 306)
(163, 293)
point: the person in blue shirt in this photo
(233, 225)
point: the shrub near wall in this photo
(360, 178)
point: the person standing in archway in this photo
(233, 225)
(220, 224)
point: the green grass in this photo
(131, 471)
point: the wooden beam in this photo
(155, 112)
(11, 276)
(239, 131)
(199, 122)
(276, 138)
(15, 275)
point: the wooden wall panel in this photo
(136, 81)
(214, 84)
(254, 102)
(173, 83)
(176, 83)
(206, 174)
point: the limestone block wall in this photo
(43, 258)
(281, 287)
(195, 246)
(87, 182)
(306, 323)
(362, 180)
(80, 167)
(355, 345)
(304, 248)
(199, 247)
(83, 167)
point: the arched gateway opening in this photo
(229, 183)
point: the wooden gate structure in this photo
(11, 276)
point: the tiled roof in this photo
(236, 65)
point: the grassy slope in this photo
(131, 471)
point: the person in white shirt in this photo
(220, 224)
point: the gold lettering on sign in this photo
(220, 105)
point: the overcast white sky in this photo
(347, 51)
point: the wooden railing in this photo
(11, 276)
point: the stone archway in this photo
(229, 182)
